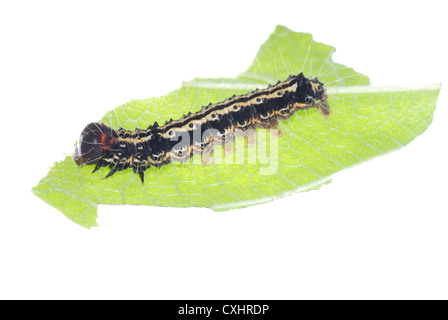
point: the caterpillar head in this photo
(94, 139)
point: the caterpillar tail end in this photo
(324, 108)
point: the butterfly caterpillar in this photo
(178, 140)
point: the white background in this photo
(379, 230)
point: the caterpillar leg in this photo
(207, 157)
(111, 172)
(142, 177)
(98, 166)
(228, 145)
(276, 133)
(250, 138)
(114, 169)
(140, 173)
(272, 124)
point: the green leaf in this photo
(366, 122)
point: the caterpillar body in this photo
(178, 140)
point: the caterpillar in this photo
(196, 133)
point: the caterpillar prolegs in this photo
(178, 140)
